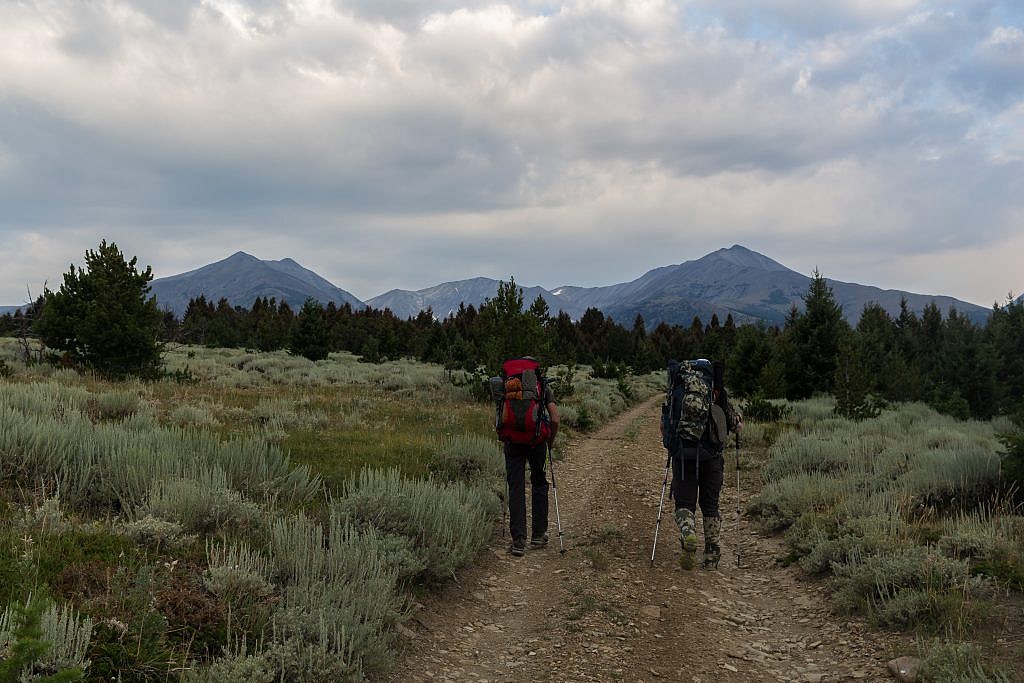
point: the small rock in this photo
(652, 611)
(405, 632)
(730, 667)
(905, 669)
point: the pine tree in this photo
(311, 337)
(102, 316)
(814, 336)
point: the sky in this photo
(404, 143)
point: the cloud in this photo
(396, 143)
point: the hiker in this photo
(696, 420)
(527, 422)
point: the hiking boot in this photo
(712, 551)
(539, 541)
(518, 547)
(687, 538)
(712, 554)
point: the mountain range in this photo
(735, 280)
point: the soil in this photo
(602, 612)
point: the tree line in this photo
(103, 318)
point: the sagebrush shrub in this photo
(64, 632)
(470, 459)
(116, 405)
(447, 524)
(959, 663)
(908, 587)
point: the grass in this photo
(256, 516)
(906, 515)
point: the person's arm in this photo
(552, 422)
(734, 417)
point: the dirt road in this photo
(600, 612)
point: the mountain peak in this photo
(240, 257)
(739, 255)
(242, 278)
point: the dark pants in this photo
(697, 479)
(516, 457)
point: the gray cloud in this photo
(395, 143)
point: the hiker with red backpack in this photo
(696, 420)
(526, 419)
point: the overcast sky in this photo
(403, 143)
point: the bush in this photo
(1013, 460)
(911, 588)
(446, 524)
(117, 405)
(470, 459)
(43, 642)
(759, 409)
(204, 504)
(959, 663)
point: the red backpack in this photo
(521, 414)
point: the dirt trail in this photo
(602, 613)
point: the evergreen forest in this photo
(941, 358)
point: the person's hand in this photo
(739, 425)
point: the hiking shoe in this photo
(688, 558)
(687, 538)
(712, 554)
(518, 547)
(539, 541)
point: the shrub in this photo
(198, 416)
(43, 642)
(338, 596)
(116, 405)
(204, 504)
(235, 669)
(914, 587)
(783, 501)
(156, 533)
(447, 524)
(841, 542)
(759, 409)
(562, 384)
(1013, 460)
(946, 479)
(469, 459)
(237, 574)
(959, 663)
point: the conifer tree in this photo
(311, 337)
(814, 336)
(103, 317)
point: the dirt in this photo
(601, 612)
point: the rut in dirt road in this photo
(602, 613)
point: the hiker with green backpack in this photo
(526, 419)
(696, 419)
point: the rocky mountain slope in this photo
(736, 281)
(242, 278)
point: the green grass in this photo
(906, 513)
(356, 483)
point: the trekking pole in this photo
(739, 501)
(504, 510)
(661, 506)
(554, 488)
